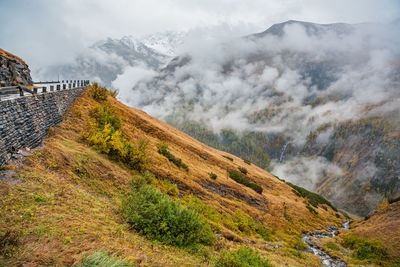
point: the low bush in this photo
(212, 175)
(242, 257)
(332, 246)
(163, 150)
(297, 243)
(141, 180)
(345, 214)
(312, 210)
(295, 253)
(9, 241)
(313, 199)
(247, 161)
(101, 259)
(364, 249)
(160, 218)
(264, 232)
(244, 223)
(166, 187)
(244, 181)
(105, 135)
(242, 170)
(239, 222)
(207, 211)
(228, 158)
(99, 93)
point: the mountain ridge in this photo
(310, 27)
(302, 91)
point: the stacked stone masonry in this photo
(24, 121)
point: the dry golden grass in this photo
(67, 198)
(384, 225)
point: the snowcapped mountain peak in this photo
(164, 42)
(106, 59)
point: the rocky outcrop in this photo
(13, 70)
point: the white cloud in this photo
(306, 172)
(45, 32)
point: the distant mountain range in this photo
(106, 59)
(315, 104)
(312, 29)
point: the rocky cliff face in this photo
(13, 70)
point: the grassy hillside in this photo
(73, 201)
(382, 224)
(373, 240)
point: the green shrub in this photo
(367, 217)
(9, 242)
(337, 215)
(167, 187)
(213, 175)
(101, 259)
(99, 93)
(205, 210)
(332, 246)
(264, 232)
(297, 243)
(244, 223)
(104, 114)
(365, 249)
(239, 222)
(295, 253)
(345, 214)
(105, 135)
(163, 150)
(312, 210)
(141, 180)
(247, 161)
(160, 218)
(227, 157)
(313, 199)
(242, 170)
(242, 257)
(244, 181)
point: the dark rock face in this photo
(13, 70)
(223, 190)
(24, 121)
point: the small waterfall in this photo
(283, 151)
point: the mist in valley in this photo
(292, 81)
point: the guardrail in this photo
(56, 85)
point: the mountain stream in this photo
(326, 259)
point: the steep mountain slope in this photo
(64, 202)
(302, 100)
(382, 224)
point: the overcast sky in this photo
(49, 31)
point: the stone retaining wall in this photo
(24, 121)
